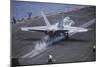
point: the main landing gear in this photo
(66, 35)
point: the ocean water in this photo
(20, 9)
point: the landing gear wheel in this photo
(67, 36)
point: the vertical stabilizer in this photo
(45, 19)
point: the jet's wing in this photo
(45, 19)
(38, 28)
(35, 29)
(75, 29)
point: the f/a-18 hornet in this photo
(62, 28)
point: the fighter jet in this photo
(60, 28)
